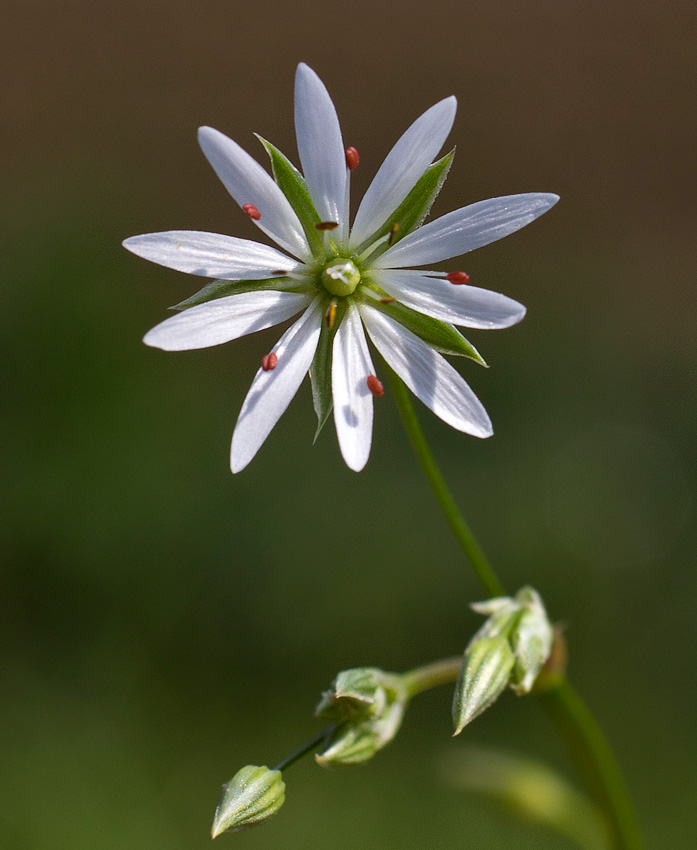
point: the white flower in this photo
(341, 279)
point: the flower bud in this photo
(252, 796)
(368, 705)
(531, 640)
(484, 675)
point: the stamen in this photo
(388, 300)
(269, 362)
(393, 231)
(327, 225)
(252, 211)
(330, 315)
(279, 273)
(352, 158)
(375, 386)
(458, 278)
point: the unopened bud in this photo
(252, 796)
(523, 622)
(484, 675)
(368, 705)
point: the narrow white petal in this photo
(353, 401)
(427, 374)
(211, 255)
(225, 319)
(320, 145)
(248, 183)
(465, 229)
(403, 166)
(271, 392)
(468, 306)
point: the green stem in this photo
(305, 748)
(431, 675)
(468, 543)
(572, 715)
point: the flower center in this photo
(341, 277)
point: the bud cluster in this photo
(509, 649)
(367, 705)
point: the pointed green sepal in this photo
(531, 640)
(321, 367)
(222, 288)
(292, 184)
(251, 797)
(442, 336)
(411, 213)
(484, 675)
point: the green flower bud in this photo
(368, 705)
(531, 640)
(484, 675)
(252, 796)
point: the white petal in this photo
(248, 183)
(320, 145)
(211, 255)
(465, 229)
(224, 319)
(271, 392)
(464, 305)
(428, 375)
(353, 401)
(404, 165)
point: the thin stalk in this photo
(431, 675)
(468, 543)
(305, 748)
(588, 742)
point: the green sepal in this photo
(411, 213)
(442, 336)
(222, 288)
(321, 368)
(291, 182)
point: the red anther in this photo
(458, 278)
(269, 362)
(327, 225)
(252, 211)
(393, 231)
(279, 273)
(352, 158)
(388, 300)
(375, 386)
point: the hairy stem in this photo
(588, 743)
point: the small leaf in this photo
(292, 184)
(442, 336)
(321, 368)
(414, 208)
(222, 288)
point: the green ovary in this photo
(341, 277)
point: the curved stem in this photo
(431, 675)
(468, 543)
(579, 726)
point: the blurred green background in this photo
(163, 622)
